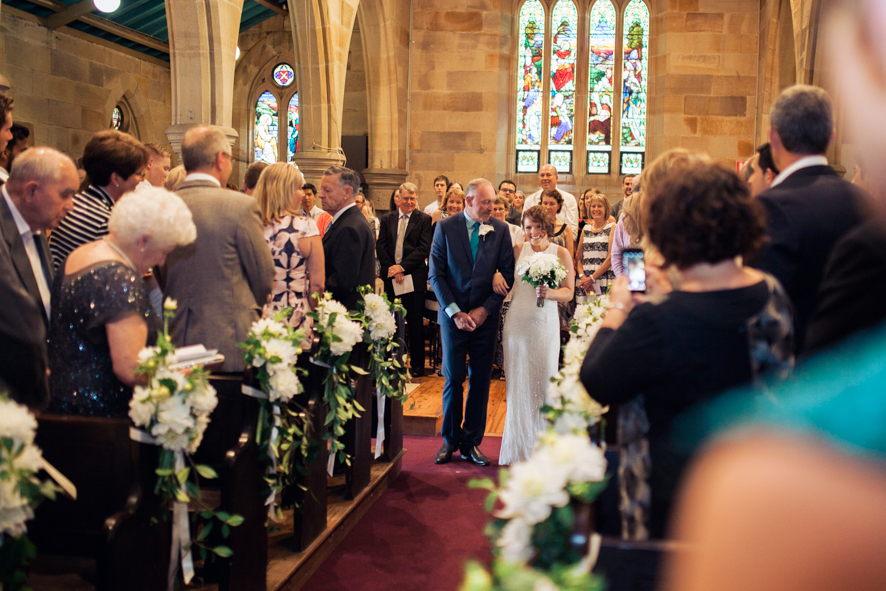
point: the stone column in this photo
(321, 32)
(202, 42)
(382, 181)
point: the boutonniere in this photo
(486, 229)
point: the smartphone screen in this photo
(635, 268)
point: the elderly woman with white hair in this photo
(101, 312)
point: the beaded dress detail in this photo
(82, 381)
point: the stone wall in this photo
(704, 66)
(354, 112)
(65, 87)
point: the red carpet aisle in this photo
(419, 534)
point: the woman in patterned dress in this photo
(593, 256)
(294, 241)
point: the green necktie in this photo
(475, 239)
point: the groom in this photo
(468, 249)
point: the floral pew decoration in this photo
(271, 350)
(338, 333)
(21, 491)
(542, 532)
(172, 411)
(385, 369)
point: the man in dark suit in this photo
(809, 207)
(39, 193)
(222, 280)
(404, 244)
(348, 244)
(467, 250)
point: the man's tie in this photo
(401, 233)
(475, 239)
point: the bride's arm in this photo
(566, 290)
(499, 284)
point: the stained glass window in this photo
(564, 53)
(529, 84)
(634, 81)
(266, 128)
(601, 69)
(292, 127)
(284, 75)
(117, 118)
(632, 162)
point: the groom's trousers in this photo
(458, 346)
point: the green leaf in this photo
(223, 515)
(223, 551)
(225, 530)
(206, 471)
(181, 496)
(182, 475)
(204, 532)
(235, 520)
(163, 472)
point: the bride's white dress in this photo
(531, 342)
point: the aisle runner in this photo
(419, 534)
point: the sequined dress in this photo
(531, 349)
(82, 381)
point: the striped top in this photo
(86, 223)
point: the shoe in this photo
(444, 456)
(474, 456)
(417, 373)
(502, 376)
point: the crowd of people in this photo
(744, 275)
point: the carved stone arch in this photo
(127, 88)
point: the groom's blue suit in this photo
(458, 279)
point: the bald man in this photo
(547, 179)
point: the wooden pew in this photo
(358, 431)
(632, 566)
(393, 418)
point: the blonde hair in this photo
(607, 210)
(175, 178)
(453, 192)
(274, 191)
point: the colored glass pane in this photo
(527, 161)
(284, 75)
(265, 134)
(564, 53)
(561, 160)
(632, 162)
(292, 126)
(529, 75)
(598, 162)
(602, 66)
(117, 118)
(635, 76)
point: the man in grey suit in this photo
(37, 196)
(222, 280)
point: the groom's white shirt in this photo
(453, 309)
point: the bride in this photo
(531, 339)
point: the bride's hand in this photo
(499, 285)
(541, 291)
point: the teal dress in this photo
(837, 396)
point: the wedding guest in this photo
(253, 172)
(515, 213)
(222, 280)
(368, 212)
(547, 180)
(499, 210)
(39, 193)
(627, 187)
(701, 217)
(441, 185)
(453, 204)
(115, 164)
(175, 178)
(593, 256)
(507, 189)
(584, 213)
(760, 170)
(349, 244)
(101, 313)
(157, 168)
(295, 243)
(552, 200)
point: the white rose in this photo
(383, 329)
(284, 386)
(532, 489)
(30, 459)
(145, 354)
(16, 422)
(170, 304)
(174, 441)
(570, 422)
(515, 541)
(350, 334)
(327, 307)
(270, 325)
(283, 350)
(375, 305)
(141, 409)
(164, 373)
(204, 399)
(173, 414)
(576, 455)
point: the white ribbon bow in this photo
(272, 444)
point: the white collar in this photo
(470, 221)
(341, 211)
(806, 162)
(316, 210)
(4, 174)
(400, 214)
(23, 228)
(202, 176)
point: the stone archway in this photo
(125, 86)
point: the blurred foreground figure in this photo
(801, 504)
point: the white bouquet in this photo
(272, 348)
(20, 460)
(339, 331)
(542, 269)
(379, 316)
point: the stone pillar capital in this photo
(314, 163)
(382, 182)
(175, 134)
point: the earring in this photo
(143, 249)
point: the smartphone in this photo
(635, 268)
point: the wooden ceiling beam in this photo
(70, 14)
(275, 6)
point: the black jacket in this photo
(416, 246)
(349, 247)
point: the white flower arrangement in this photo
(542, 269)
(379, 316)
(20, 461)
(272, 348)
(343, 333)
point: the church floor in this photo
(426, 400)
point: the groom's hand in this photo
(464, 322)
(478, 315)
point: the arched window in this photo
(551, 53)
(269, 144)
(117, 118)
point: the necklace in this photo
(119, 251)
